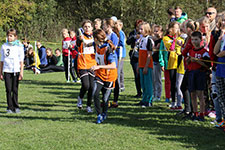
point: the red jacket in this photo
(65, 46)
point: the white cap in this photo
(114, 18)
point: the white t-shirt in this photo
(11, 56)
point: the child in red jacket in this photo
(67, 55)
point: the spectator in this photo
(26, 46)
(211, 14)
(42, 54)
(59, 57)
(179, 15)
(52, 61)
(157, 82)
(197, 75)
(132, 41)
(97, 23)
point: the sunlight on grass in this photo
(50, 120)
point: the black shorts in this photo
(106, 84)
(196, 80)
(85, 72)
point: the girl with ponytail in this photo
(105, 72)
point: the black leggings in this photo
(87, 81)
(173, 73)
(186, 94)
(116, 91)
(11, 85)
(71, 69)
(52, 68)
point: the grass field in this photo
(49, 120)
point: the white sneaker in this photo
(79, 102)
(89, 110)
(17, 110)
(8, 111)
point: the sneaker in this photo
(167, 100)
(99, 119)
(212, 114)
(194, 118)
(154, 99)
(36, 70)
(104, 116)
(146, 104)
(78, 80)
(179, 108)
(122, 89)
(213, 122)
(158, 99)
(149, 105)
(17, 111)
(219, 124)
(89, 110)
(79, 102)
(172, 107)
(201, 118)
(114, 105)
(8, 111)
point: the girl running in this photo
(85, 60)
(106, 72)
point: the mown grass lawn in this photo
(50, 120)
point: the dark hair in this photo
(138, 22)
(171, 11)
(57, 49)
(197, 34)
(12, 31)
(100, 35)
(87, 21)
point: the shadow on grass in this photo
(159, 121)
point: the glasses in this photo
(209, 13)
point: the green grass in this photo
(51, 121)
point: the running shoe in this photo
(89, 110)
(79, 102)
(99, 119)
(220, 124)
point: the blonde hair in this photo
(205, 20)
(219, 20)
(98, 20)
(65, 30)
(147, 28)
(171, 25)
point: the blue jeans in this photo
(215, 96)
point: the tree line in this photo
(44, 19)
